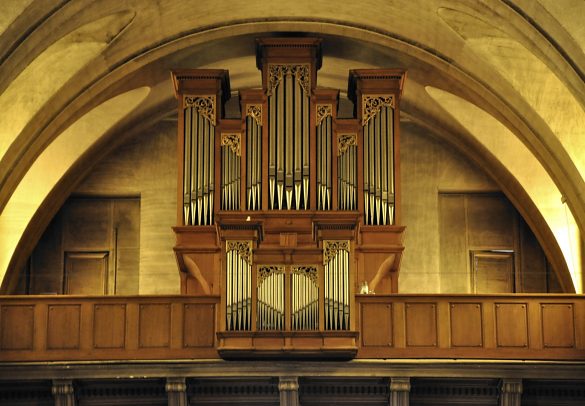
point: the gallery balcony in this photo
(397, 326)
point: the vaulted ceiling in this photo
(500, 80)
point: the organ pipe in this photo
(230, 173)
(238, 285)
(347, 171)
(324, 146)
(337, 284)
(270, 298)
(254, 156)
(304, 298)
(378, 153)
(289, 118)
(198, 160)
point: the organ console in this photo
(285, 212)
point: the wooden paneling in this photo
(87, 224)
(86, 273)
(377, 324)
(452, 239)
(511, 325)
(527, 327)
(92, 247)
(52, 328)
(466, 325)
(199, 325)
(558, 325)
(421, 325)
(492, 272)
(155, 325)
(539, 327)
(16, 327)
(491, 221)
(63, 327)
(109, 326)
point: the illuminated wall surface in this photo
(498, 85)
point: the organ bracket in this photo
(244, 249)
(301, 72)
(344, 141)
(371, 105)
(323, 111)
(265, 271)
(308, 271)
(255, 111)
(330, 249)
(233, 141)
(205, 105)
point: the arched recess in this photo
(157, 57)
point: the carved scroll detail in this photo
(255, 111)
(344, 141)
(301, 72)
(308, 271)
(264, 271)
(205, 105)
(244, 249)
(371, 105)
(233, 141)
(323, 111)
(330, 249)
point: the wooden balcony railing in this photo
(52, 328)
(75, 328)
(472, 326)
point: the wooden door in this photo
(86, 273)
(492, 272)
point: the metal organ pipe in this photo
(198, 163)
(238, 285)
(304, 298)
(379, 168)
(337, 283)
(254, 157)
(187, 177)
(288, 165)
(324, 153)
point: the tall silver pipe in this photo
(187, 134)
(272, 146)
(289, 145)
(281, 147)
(298, 141)
(306, 157)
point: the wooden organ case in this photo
(289, 212)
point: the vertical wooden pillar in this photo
(510, 392)
(289, 390)
(63, 392)
(399, 391)
(176, 391)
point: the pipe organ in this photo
(254, 156)
(198, 168)
(283, 213)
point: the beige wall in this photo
(146, 167)
(428, 167)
